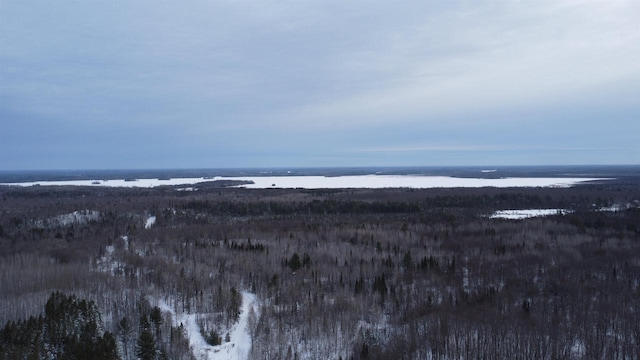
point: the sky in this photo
(118, 84)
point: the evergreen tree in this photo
(106, 347)
(234, 304)
(69, 330)
(144, 322)
(295, 264)
(306, 260)
(146, 346)
(125, 330)
(407, 262)
(212, 338)
(156, 319)
(359, 287)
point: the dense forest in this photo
(334, 274)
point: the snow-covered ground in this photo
(634, 204)
(150, 222)
(336, 182)
(524, 214)
(76, 217)
(621, 207)
(107, 263)
(236, 349)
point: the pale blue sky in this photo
(166, 84)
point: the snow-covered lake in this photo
(334, 182)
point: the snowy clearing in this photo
(334, 182)
(150, 222)
(621, 207)
(236, 349)
(528, 213)
(107, 263)
(76, 217)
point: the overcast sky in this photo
(206, 84)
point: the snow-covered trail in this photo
(240, 344)
(236, 349)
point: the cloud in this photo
(489, 57)
(291, 78)
(485, 148)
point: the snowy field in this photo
(335, 182)
(526, 213)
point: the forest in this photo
(158, 273)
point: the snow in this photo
(524, 214)
(125, 239)
(613, 208)
(142, 183)
(465, 279)
(76, 217)
(237, 349)
(621, 207)
(578, 349)
(336, 182)
(150, 222)
(401, 181)
(107, 263)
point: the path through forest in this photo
(237, 348)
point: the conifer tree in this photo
(295, 264)
(146, 346)
(156, 319)
(125, 330)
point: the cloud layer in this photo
(104, 84)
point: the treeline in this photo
(69, 329)
(315, 207)
(339, 274)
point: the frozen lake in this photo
(334, 182)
